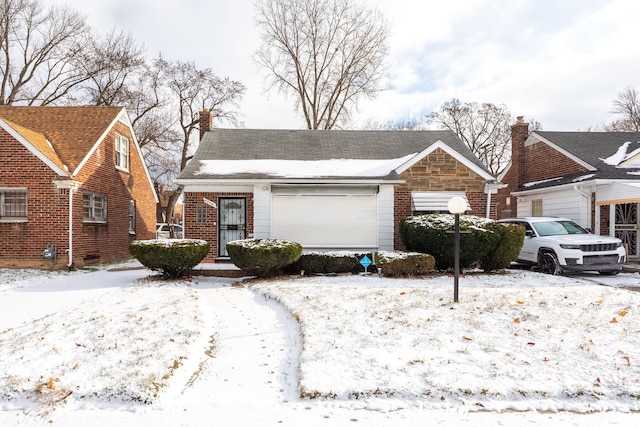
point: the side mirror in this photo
(528, 233)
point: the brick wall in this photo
(47, 207)
(544, 162)
(438, 171)
(208, 230)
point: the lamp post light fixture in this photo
(456, 206)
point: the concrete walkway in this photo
(253, 357)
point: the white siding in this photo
(261, 212)
(561, 203)
(385, 218)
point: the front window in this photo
(122, 152)
(13, 204)
(201, 213)
(94, 207)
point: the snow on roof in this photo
(622, 156)
(303, 168)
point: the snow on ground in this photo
(519, 348)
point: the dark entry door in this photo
(231, 223)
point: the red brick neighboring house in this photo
(325, 189)
(592, 178)
(74, 188)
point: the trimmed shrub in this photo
(173, 257)
(328, 263)
(481, 240)
(508, 240)
(263, 257)
(396, 264)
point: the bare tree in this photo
(627, 106)
(327, 53)
(485, 128)
(111, 63)
(36, 48)
(190, 90)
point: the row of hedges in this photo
(483, 242)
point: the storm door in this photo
(626, 227)
(231, 222)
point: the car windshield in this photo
(555, 228)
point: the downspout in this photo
(72, 189)
(70, 263)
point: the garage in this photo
(321, 217)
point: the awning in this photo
(429, 201)
(618, 193)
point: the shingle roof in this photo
(314, 145)
(592, 148)
(71, 131)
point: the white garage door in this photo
(327, 220)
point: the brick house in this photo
(74, 188)
(592, 178)
(327, 190)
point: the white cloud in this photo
(562, 63)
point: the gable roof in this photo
(606, 155)
(337, 154)
(62, 135)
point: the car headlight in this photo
(569, 246)
(618, 244)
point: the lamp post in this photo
(456, 206)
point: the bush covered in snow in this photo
(328, 263)
(173, 257)
(396, 264)
(482, 240)
(263, 257)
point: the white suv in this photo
(556, 245)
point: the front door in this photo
(626, 227)
(231, 222)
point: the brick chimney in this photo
(519, 133)
(205, 119)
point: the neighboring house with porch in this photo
(325, 189)
(592, 178)
(74, 188)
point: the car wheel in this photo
(549, 264)
(609, 272)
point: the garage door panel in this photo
(326, 221)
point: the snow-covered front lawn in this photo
(516, 341)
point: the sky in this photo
(519, 348)
(560, 62)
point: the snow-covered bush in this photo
(396, 264)
(263, 257)
(482, 240)
(328, 263)
(173, 257)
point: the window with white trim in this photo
(132, 216)
(122, 152)
(13, 204)
(94, 207)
